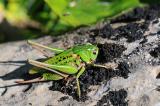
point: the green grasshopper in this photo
(65, 63)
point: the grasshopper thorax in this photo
(87, 52)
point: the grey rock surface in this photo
(141, 84)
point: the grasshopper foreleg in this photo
(77, 80)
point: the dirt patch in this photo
(109, 51)
(132, 31)
(147, 13)
(116, 98)
(63, 98)
(156, 52)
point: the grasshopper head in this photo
(87, 52)
(93, 52)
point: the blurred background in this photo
(27, 19)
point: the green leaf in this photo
(85, 12)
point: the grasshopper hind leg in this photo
(39, 79)
(45, 77)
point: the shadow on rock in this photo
(19, 73)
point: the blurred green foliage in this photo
(75, 13)
(38, 17)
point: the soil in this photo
(117, 98)
(132, 31)
(109, 51)
(148, 14)
(156, 52)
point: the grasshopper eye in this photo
(94, 52)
